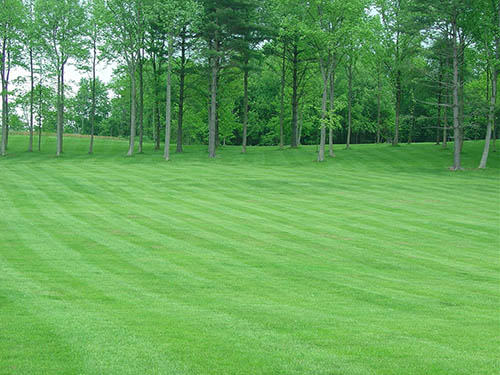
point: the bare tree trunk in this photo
(439, 101)
(321, 151)
(32, 94)
(60, 111)
(325, 76)
(3, 147)
(332, 107)
(92, 111)
(378, 105)
(40, 113)
(141, 103)
(491, 119)
(213, 109)
(349, 104)
(395, 141)
(282, 96)
(245, 108)
(493, 99)
(156, 110)
(456, 120)
(133, 107)
(301, 123)
(182, 77)
(295, 100)
(168, 110)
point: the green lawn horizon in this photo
(378, 261)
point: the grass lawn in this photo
(380, 261)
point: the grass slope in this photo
(380, 261)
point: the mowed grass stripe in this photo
(306, 303)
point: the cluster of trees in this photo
(254, 72)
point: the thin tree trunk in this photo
(379, 94)
(445, 120)
(295, 101)
(491, 119)
(301, 123)
(32, 94)
(395, 141)
(493, 99)
(332, 107)
(440, 95)
(168, 108)
(156, 106)
(40, 113)
(141, 103)
(182, 77)
(133, 107)
(3, 145)
(60, 112)
(93, 109)
(349, 104)
(282, 96)
(325, 76)
(245, 108)
(213, 109)
(456, 119)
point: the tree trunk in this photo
(491, 119)
(295, 101)
(141, 103)
(332, 107)
(182, 77)
(60, 111)
(395, 141)
(301, 123)
(439, 101)
(245, 108)
(325, 76)
(133, 107)
(349, 104)
(491, 116)
(379, 94)
(456, 120)
(213, 109)
(92, 111)
(282, 96)
(168, 109)
(156, 107)
(40, 113)
(3, 145)
(32, 94)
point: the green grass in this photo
(380, 261)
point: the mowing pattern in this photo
(377, 262)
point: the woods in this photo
(248, 72)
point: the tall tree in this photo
(401, 40)
(491, 35)
(11, 12)
(123, 40)
(60, 25)
(223, 22)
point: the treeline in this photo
(253, 72)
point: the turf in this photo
(380, 261)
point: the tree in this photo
(224, 21)
(123, 40)
(10, 25)
(491, 35)
(401, 40)
(60, 25)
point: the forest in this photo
(252, 72)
